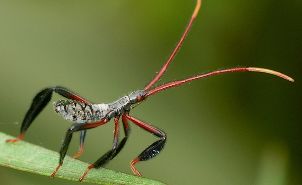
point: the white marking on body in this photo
(102, 107)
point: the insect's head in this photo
(137, 96)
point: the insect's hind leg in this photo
(152, 150)
(38, 104)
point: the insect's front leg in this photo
(152, 150)
(124, 140)
(74, 128)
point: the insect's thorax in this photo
(119, 106)
(125, 103)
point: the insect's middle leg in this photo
(82, 140)
(116, 147)
(74, 128)
(152, 150)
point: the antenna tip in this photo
(272, 72)
(196, 10)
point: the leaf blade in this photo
(35, 159)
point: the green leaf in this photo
(35, 159)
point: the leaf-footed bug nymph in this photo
(87, 115)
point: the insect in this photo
(87, 115)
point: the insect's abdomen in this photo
(79, 112)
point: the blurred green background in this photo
(233, 129)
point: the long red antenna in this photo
(218, 72)
(176, 49)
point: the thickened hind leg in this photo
(154, 149)
(38, 104)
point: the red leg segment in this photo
(86, 172)
(96, 124)
(79, 152)
(55, 171)
(145, 126)
(132, 166)
(82, 140)
(19, 138)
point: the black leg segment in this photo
(151, 151)
(107, 156)
(74, 128)
(64, 147)
(39, 103)
(116, 147)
